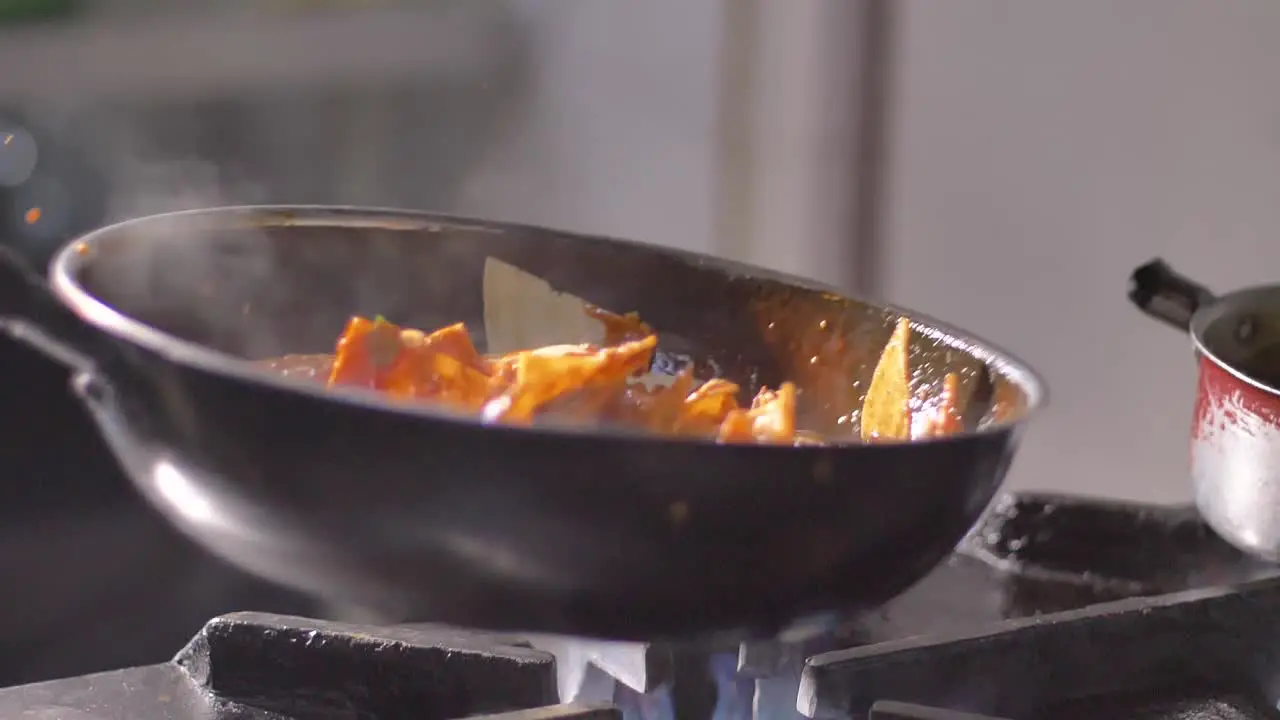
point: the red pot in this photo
(1235, 434)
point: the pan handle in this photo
(32, 315)
(1167, 295)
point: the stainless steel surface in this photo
(1235, 446)
(1235, 473)
(1235, 434)
(798, 188)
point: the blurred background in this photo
(1001, 165)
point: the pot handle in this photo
(32, 315)
(1167, 295)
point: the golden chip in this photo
(886, 411)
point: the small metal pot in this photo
(1235, 435)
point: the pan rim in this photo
(65, 265)
(1236, 302)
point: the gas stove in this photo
(1052, 608)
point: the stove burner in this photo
(1053, 609)
(284, 665)
(1218, 643)
(251, 666)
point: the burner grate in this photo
(251, 666)
(571, 711)
(284, 664)
(889, 710)
(1054, 609)
(1197, 645)
(1151, 706)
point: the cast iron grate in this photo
(890, 710)
(1216, 649)
(251, 666)
(1053, 609)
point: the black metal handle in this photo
(1167, 295)
(31, 314)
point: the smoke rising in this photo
(154, 280)
(140, 187)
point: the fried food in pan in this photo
(607, 384)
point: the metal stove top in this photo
(1052, 608)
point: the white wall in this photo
(1043, 149)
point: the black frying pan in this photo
(433, 516)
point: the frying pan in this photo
(426, 515)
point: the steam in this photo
(138, 187)
(139, 279)
(236, 294)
